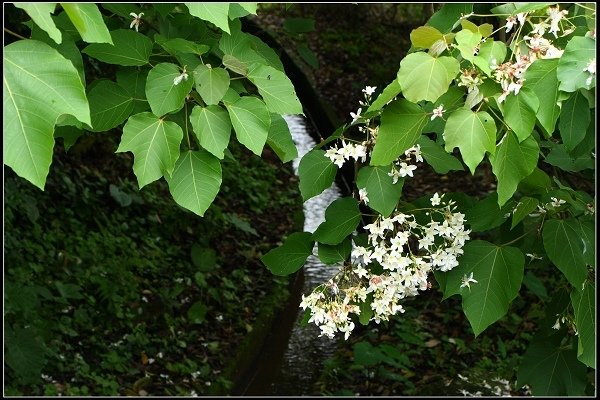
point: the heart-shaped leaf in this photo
(154, 144)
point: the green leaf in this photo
(486, 214)
(574, 120)
(240, 223)
(425, 36)
(538, 182)
(585, 320)
(40, 14)
(528, 7)
(67, 48)
(299, 25)
(251, 121)
(588, 238)
(130, 49)
(291, 255)
(540, 77)
(280, 139)
(584, 305)
(121, 10)
(488, 51)
(401, 125)
(341, 219)
(525, 206)
(134, 82)
(382, 193)
(39, 86)
(366, 312)
(423, 77)
(88, 21)
(211, 83)
(154, 144)
(519, 112)
(552, 370)
(24, 354)
(316, 173)
(331, 254)
(179, 45)
(468, 43)
(204, 258)
(308, 55)
(275, 88)
(267, 53)
(498, 271)
(559, 157)
(70, 134)
(435, 156)
(512, 162)
(474, 133)
(572, 64)
(564, 246)
(535, 285)
(217, 13)
(388, 94)
(195, 181)
(239, 45)
(212, 127)
(448, 17)
(110, 105)
(234, 65)
(238, 10)
(162, 93)
(197, 312)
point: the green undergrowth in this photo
(114, 291)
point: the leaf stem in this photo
(14, 34)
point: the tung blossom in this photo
(137, 20)
(438, 112)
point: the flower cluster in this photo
(400, 252)
(348, 150)
(402, 168)
(510, 74)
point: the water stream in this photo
(306, 351)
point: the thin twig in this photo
(14, 34)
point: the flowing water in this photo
(306, 351)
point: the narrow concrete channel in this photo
(292, 356)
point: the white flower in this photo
(466, 281)
(369, 90)
(435, 199)
(362, 193)
(510, 21)
(557, 324)
(181, 77)
(406, 169)
(521, 18)
(137, 19)
(395, 175)
(414, 151)
(438, 112)
(533, 256)
(555, 16)
(557, 202)
(356, 116)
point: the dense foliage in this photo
(511, 86)
(523, 105)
